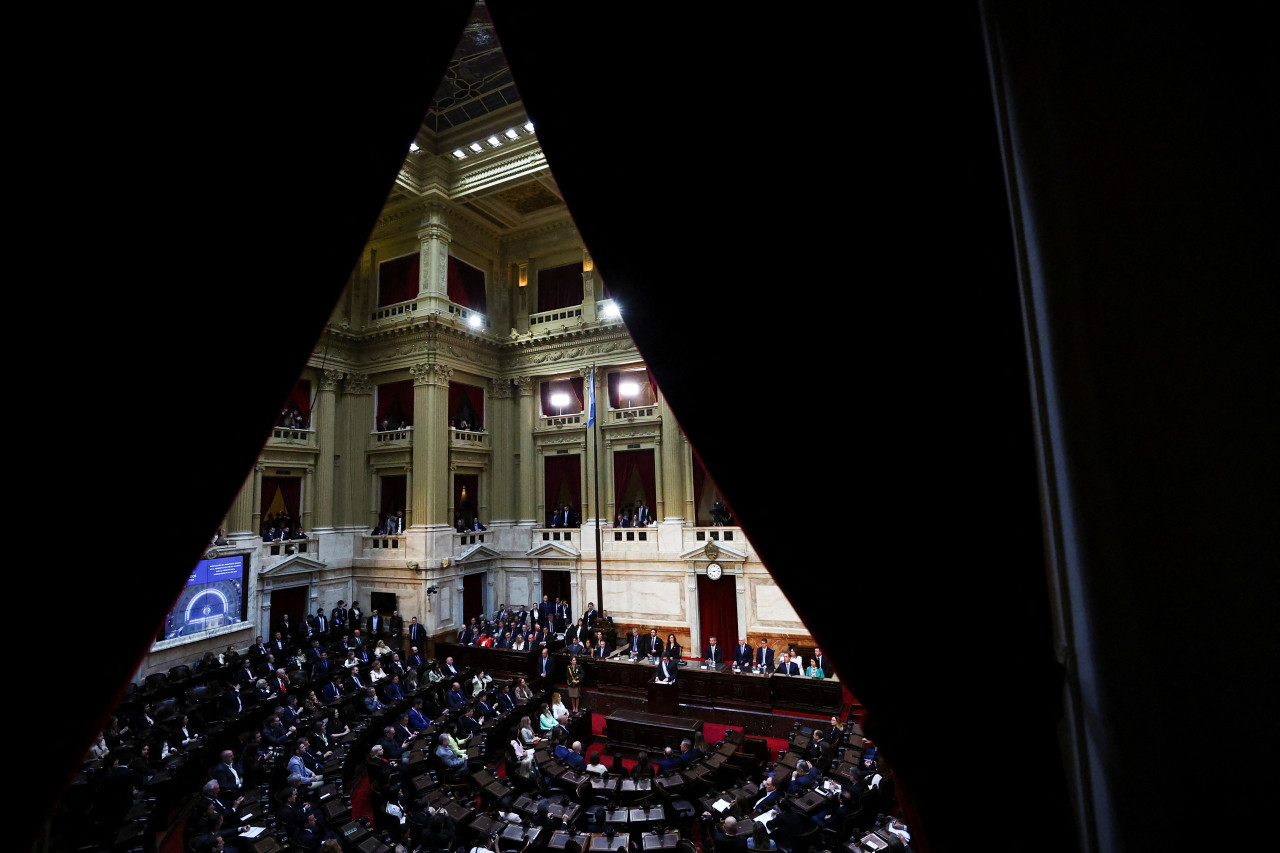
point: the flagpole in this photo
(595, 466)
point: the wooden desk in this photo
(653, 732)
(659, 841)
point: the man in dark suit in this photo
(635, 642)
(417, 633)
(787, 666)
(545, 671)
(545, 610)
(450, 669)
(415, 660)
(320, 626)
(824, 663)
(601, 650)
(766, 799)
(505, 702)
(468, 724)
(258, 650)
(714, 652)
(666, 670)
(228, 777)
(764, 656)
(589, 615)
(742, 653)
(279, 644)
(395, 628)
(377, 625)
(231, 704)
(455, 698)
(653, 646)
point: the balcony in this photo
(270, 552)
(634, 413)
(391, 312)
(469, 316)
(372, 546)
(470, 438)
(556, 534)
(465, 540)
(561, 318)
(292, 437)
(563, 421)
(391, 439)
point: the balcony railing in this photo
(383, 543)
(388, 439)
(468, 437)
(556, 534)
(400, 309)
(561, 421)
(292, 436)
(558, 318)
(633, 412)
(470, 316)
(289, 547)
(466, 540)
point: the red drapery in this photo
(394, 404)
(299, 399)
(466, 497)
(572, 387)
(466, 285)
(560, 287)
(646, 396)
(281, 495)
(562, 476)
(717, 614)
(466, 403)
(633, 478)
(398, 279)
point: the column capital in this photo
(358, 384)
(329, 379)
(500, 389)
(524, 385)
(431, 374)
(584, 372)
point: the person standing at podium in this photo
(666, 671)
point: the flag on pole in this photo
(591, 396)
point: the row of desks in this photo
(715, 687)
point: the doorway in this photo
(291, 600)
(472, 597)
(717, 611)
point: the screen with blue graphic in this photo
(214, 597)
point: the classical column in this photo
(257, 500)
(307, 519)
(354, 410)
(434, 238)
(429, 499)
(588, 288)
(524, 386)
(502, 432)
(671, 447)
(589, 509)
(686, 469)
(240, 517)
(323, 419)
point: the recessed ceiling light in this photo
(494, 141)
(528, 127)
(477, 147)
(511, 133)
(459, 153)
(413, 147)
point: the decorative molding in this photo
(358, 384)
(330, 378)
(500, 389)
(431, 374)
(524, 385)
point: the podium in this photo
(660, 698)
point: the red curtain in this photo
(281, 494)
(466, 285)
(300, 399)
(717, 614)
(395, 404)
(466, 403)
(393, 494)
(572, 387)
(398, 279)
(644, 397)
(560, 287)
(633, 478)
(562, 479)
(466, 497)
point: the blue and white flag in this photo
(591, 396)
